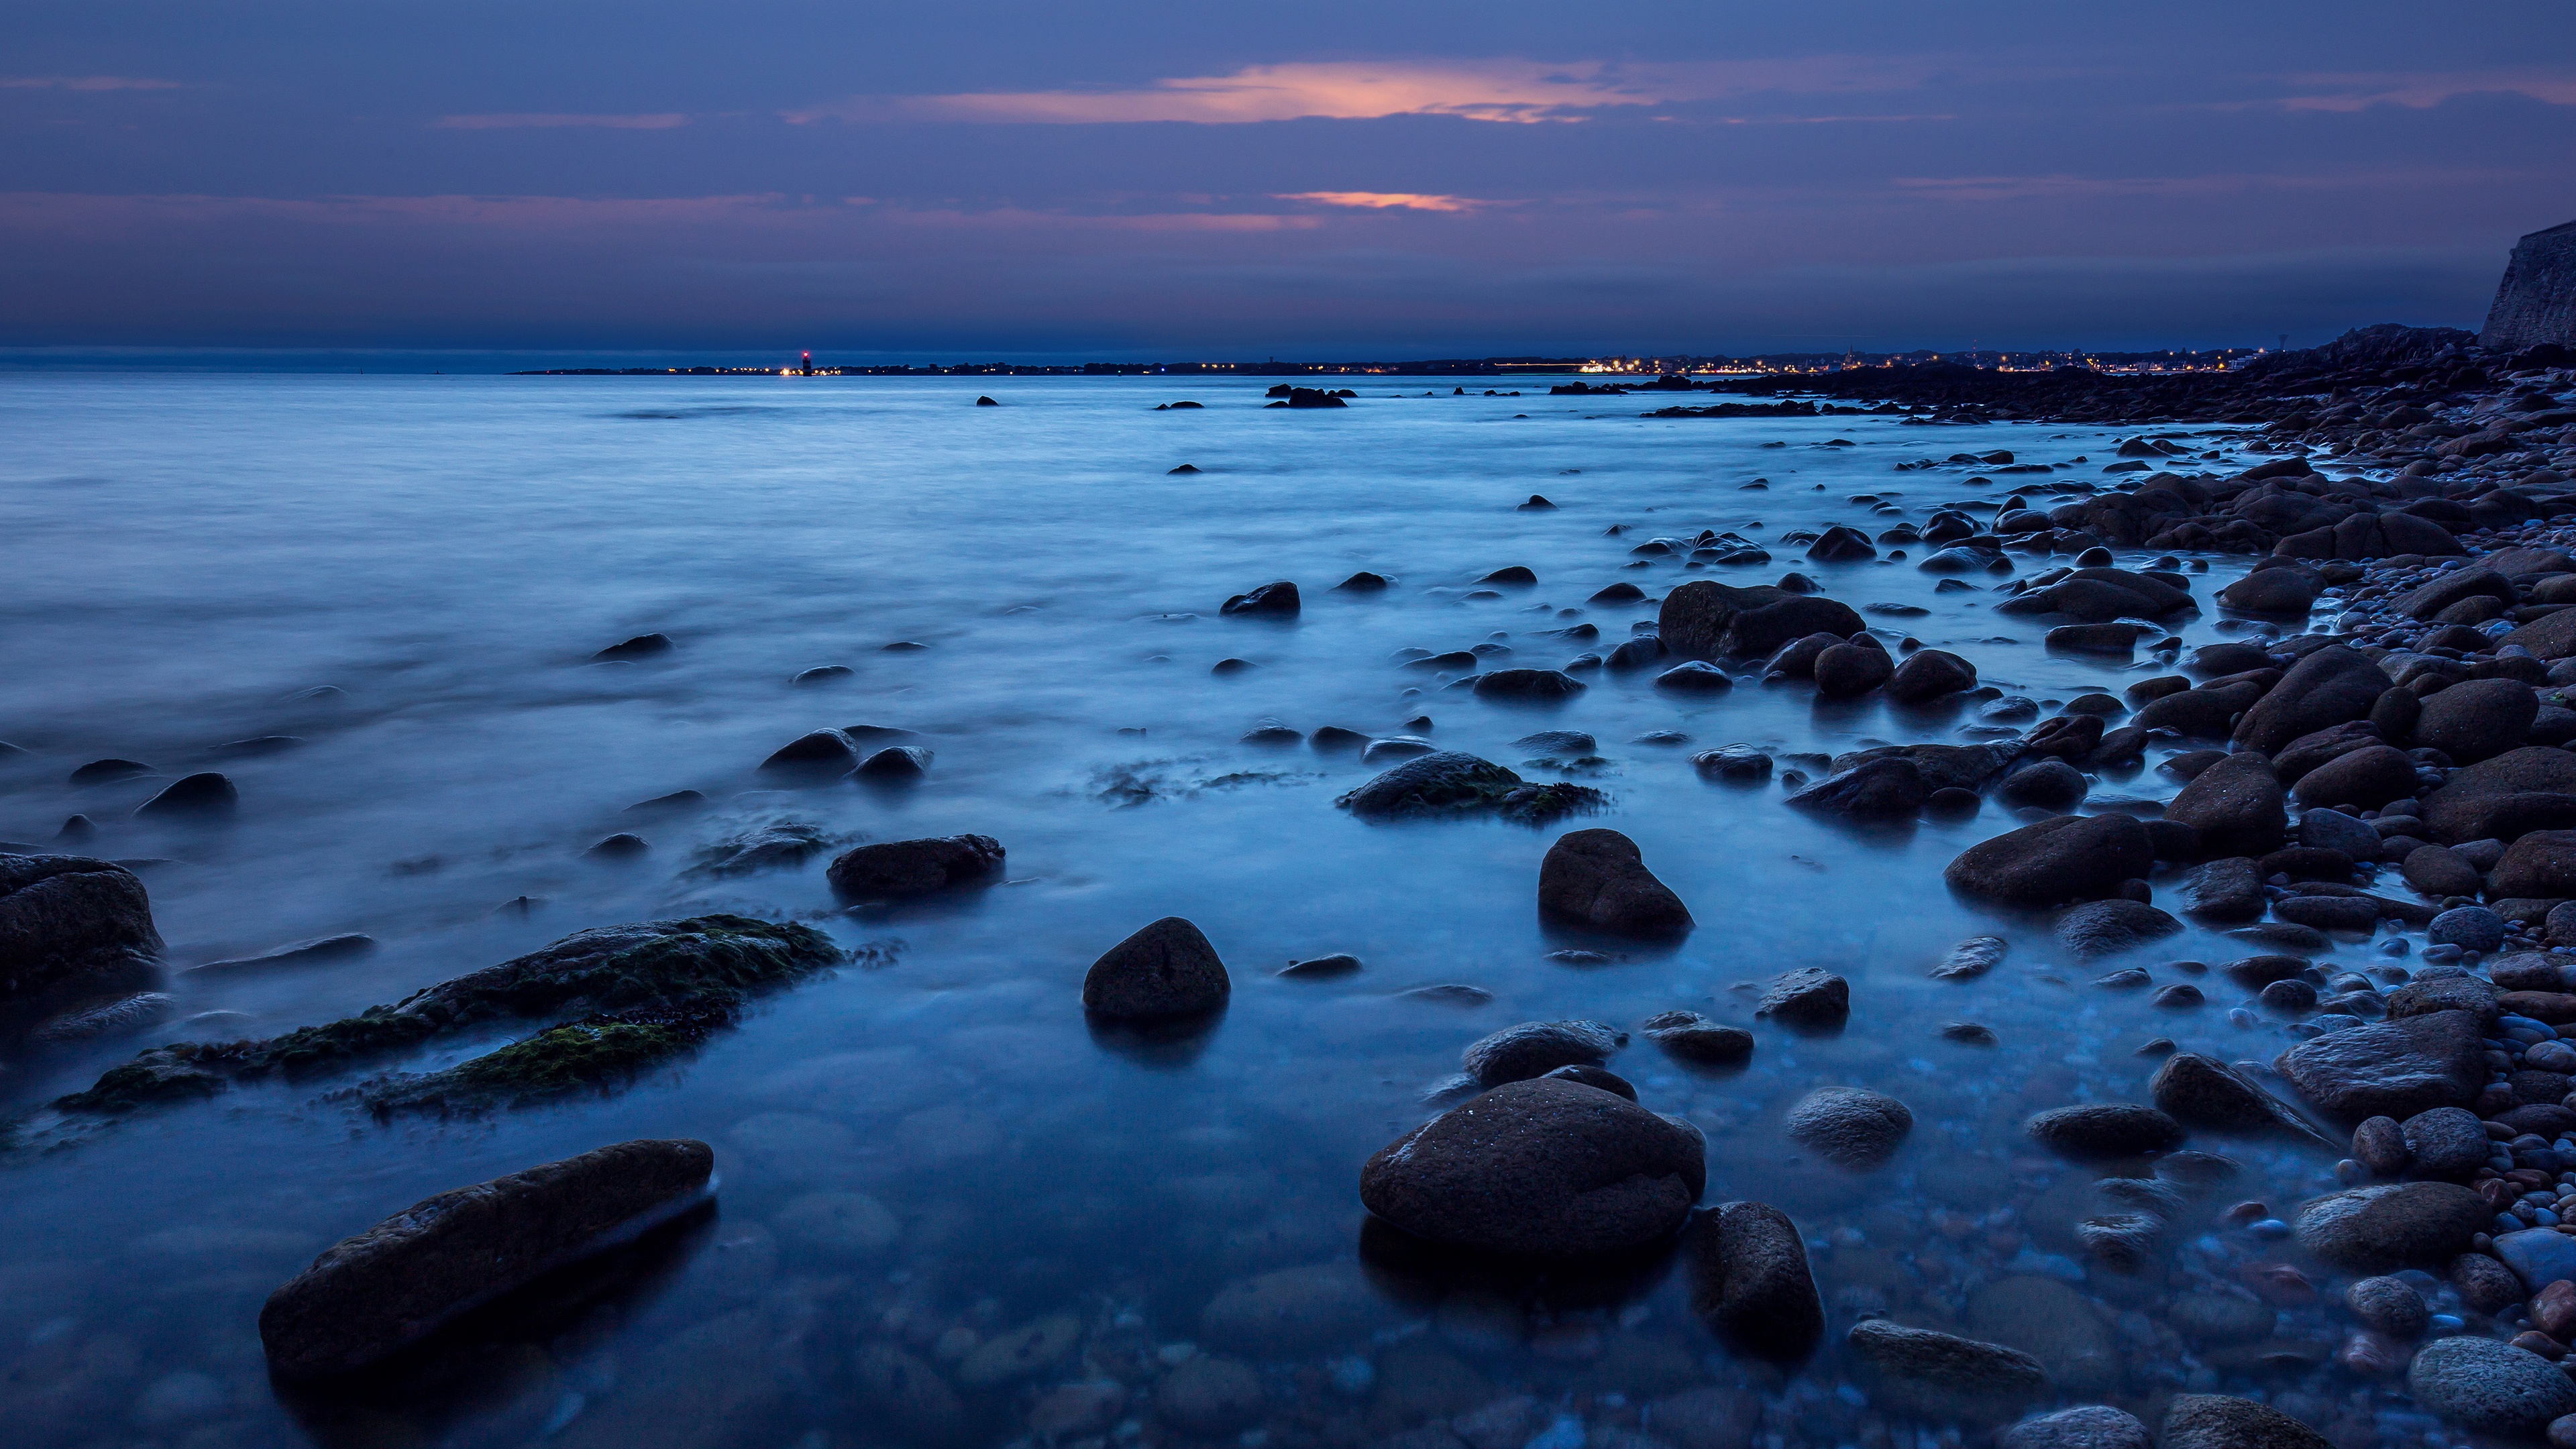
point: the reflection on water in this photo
(952, 1211)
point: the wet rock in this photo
(775, 846)
(1601, 1077)
(1278, 600)
(1292, 1311)
(1735, 764)
(2471, 928)
(2052, 785)
(1810, 997)
(1691, 676)
(2519, 791)
(1797, 658)
(1968, 1033)
(1535, 1048)
(2379, 1144)
(2391, 1226)
(101, 772)
(2106, 928)
(1365, 582)
(1540, 1168)
(2201, 1091)
(1454, 783)
(2490, 1387)
(2477, 719)
(2328, 687)
(2094, 1426)
(1598, 877)
(2236, 805)
(1929, 675)
(2180, 996)
(624, 845)
(198, 796)
(1751, 1282)
(1971, 958)
(1693, 1038)
(1848, 671)
(2388, 1305)
(1280, 736)
(823, 674)
(2104, 1129)
(2390, 1068)
(1538, 686)
(642, 646)
(2227, 891)
(2438, 870)
(371, 1295)
(1703, 619)
(1322, 967)
(2273, 591)
(2540, 864)
(2445, 993)
(1209, 1396)
(1849, 1126)
(894, 764)
(897, 869)
(2537, 1256)
(1924, 1371)
(1880, 789)
(1165, 971)
(2079, 858)
(2223, 1421)
(2447, 1142)
(66, 920)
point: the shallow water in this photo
(189, 556)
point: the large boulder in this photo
(1850, 1126)
(1704, 619)
(65, 919)
(2223, 1421)
(1165, 971)
(367, 1297)
(1453, 783)
(2328, 687)
(2237, 805)
(2541, 864)
(2477, 719)
(2390, 1068)
(2393, 1225)
(1546, 1168)
(1750, 1280)
(1598, 877)
(2532, 788)
(894, 869)
(2491, 1387)
(2069, 858)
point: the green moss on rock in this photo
(680, 969)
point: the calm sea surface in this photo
(188, 560)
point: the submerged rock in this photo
(1751, 1282)
(1166, 970)
(1277, 600)
(374, 1294)
(1451, 782)
(694, 971)
(2106, 928)
(642, 646)
(1693, 1038)
(1925, 1371)
(1849, 1126)
(2205, 1092)
(1598, 877)
(1546, 1168)
(2223, 1421)
(1971, 958)
(201, 795)
(896, 869)
(1810, 997)
(67, 919)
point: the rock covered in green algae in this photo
(1453, 782)
(681, 968)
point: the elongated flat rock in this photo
(369, 1296)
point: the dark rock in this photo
(2237, 805)
(1333, 739)
(825, 752)
(1693, 1038)
(1455, 783)
(642, 646)
(2050, 784)
(1165, 971)
(2094, 1426)
(1929, 675)
(2307, 752)
(2106, 928)
(1210, 1397)
(309, 952)
(2519, 791)
(624, 845)
(1751, 1282)
(2068, 736)
(1598, 877)
(67, 920)
(2201, 1091)
(2477, 719)
(1601, 1077)
(1797, 658)
(1921, 1371)
(1849, 1126)
(100, 772)
(1971, 958)
(895, 763)
(1841, 544)
(2328, 687)
(2227, 891)
(2391, 1226)
(2273, 591)
(2491, 1387)
(1540, 1169)
(2071, 857)
(1691, 676)
(1703, 619)
(2446, 1142)
(2368, 777)
(369, 1296)
(2444, 993)
(2222, 1421)
(2104, 1129)
(1880, 789)
(2541, 864)
(1735, 764)
(1365, 582)
(199, 795)
(1538, 685)
(2390, 1068)
(899, 868)
(1278, 600)
(2388, 1305)
(1847, 671)
(1535, 1048)
(1810, 997)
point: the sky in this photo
(590, 181)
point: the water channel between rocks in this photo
(191, 557)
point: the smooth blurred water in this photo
(187, 556)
